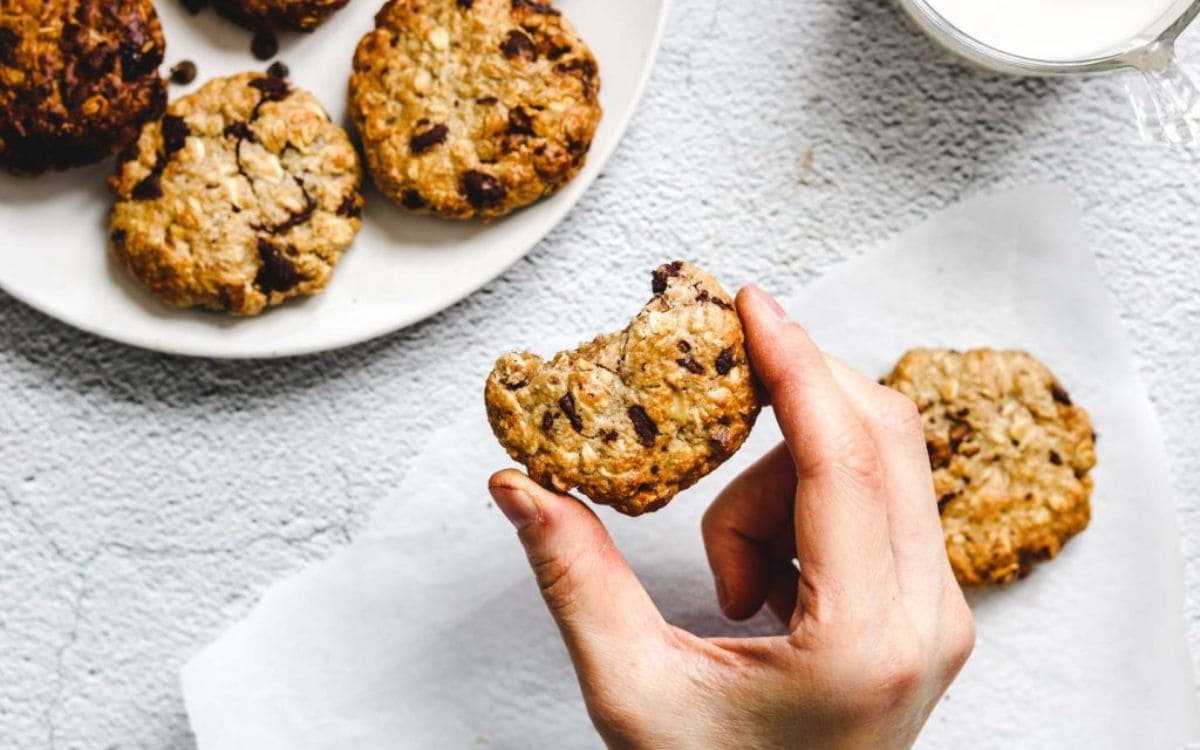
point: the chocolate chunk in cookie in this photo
(620, 418)
(278, 15)
(77, 80)
(244, 195)
(477, 108)
(1010, 453)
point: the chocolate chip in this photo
(609, 436)
(273, 89)
(658, 283)
(239, 130)
(117, 238)
(183, 73)
(690, 365)
(547, 421)
(482, 190)
(264, 46)
(959, 432)
(939, 454)
(1055, 458)
(413, 200)
(684, 346)
(944, 499)
(963, 413)
(297, 218)
(466, 4)
(724, 362)
(1059, 394)
(518, 44)
(174, 133)
(278, 70)
(519, 122)
(721, 303)
(194, 6)
(567, 404)
(148, 189)
(642, 425)
(422, 142)
(517, 385)
(140, 55)
(555, 50)
(350, 207)
(487, 101)
(536, 7)
(275, 272)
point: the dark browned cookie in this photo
(278, 15)
(77, 80)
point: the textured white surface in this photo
(147, 500)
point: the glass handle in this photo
(1165, 100)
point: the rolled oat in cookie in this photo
(1011, 455)
(473, 108)
(630, 419)
(244, 195)
(77, 80)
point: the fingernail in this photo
(769, 302)
(516, 505)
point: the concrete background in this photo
(145, 501)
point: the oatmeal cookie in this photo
(1010, 454)
(473, 108)
(279, 15)
(632, 418)
(77, 80)
(245, 194)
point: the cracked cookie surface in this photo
(1010, 453)
(473, 108)
(77, 80)
(632, 418)
(279, 15)
(244, 195)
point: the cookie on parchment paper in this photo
(244, 195)
(473, 108)
(1011, 455)
(632, 418)
(77, 80)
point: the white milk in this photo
(1059, 30)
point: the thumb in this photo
(598, 603)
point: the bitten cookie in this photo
(279, 15)
(1010, 455)
(77, 80)
(473, 108)
(245, 194)
(634, 417)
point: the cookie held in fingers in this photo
(473, 108)
(279, 15)
(244, 195)
(77, 80)
(1011, 455)
(631, 418)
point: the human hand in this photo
(877, 626)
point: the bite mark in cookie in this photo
(619, 418)
(244, 195)
(473, 109)
(1010, 453)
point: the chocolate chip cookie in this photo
(473, 108)
(77, 80)
(245, 194)
(632, 418)
(1011, 456)
(279, 15)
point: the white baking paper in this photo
(428, 632)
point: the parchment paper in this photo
(429, 632)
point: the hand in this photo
(877, 626)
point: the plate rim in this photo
(204, 351)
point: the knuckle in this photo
(960, 641)
(899, 411)
(558, 583)
(892, 677)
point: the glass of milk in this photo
(1062, 37)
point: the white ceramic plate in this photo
(400, 270)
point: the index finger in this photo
(841, 523)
